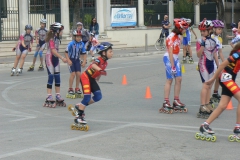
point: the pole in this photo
(146, 43)
(45, 9)
(1, 24)
(232, 11)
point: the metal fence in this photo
(9, 20)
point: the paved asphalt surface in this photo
(123, 125)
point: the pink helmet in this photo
(235, 31)
(218, 24)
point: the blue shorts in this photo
(186, 41)
(41, 43)
(76, 66)
(168, 67)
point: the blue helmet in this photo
(28, 26)
(103, 46)
(233, 25)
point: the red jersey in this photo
(173, 41)
(101, 63)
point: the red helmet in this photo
(180, 24)
(205, 25)
(77, 33)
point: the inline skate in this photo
(179, 106)
(31, 68)
(190, 60)
(60, 101)
(40, 68)
(235, 136)
(73, 110)
(166, 108)
(78, 93)
(204, 111)
(206, 133)
(19, 71)
(13, 71)
(49, 102)
(184, 60)
(215, 98)
(70, 94)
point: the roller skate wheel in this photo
(175, 110)
(44, 105)
(73, 127)
(160, 110)
(82, 128)
(64, 104)
(86, 128)
(238, 139)
(70, 107)
(231, 138)
(54, 105)
(202, 137)
(214, 138)
(208, 139)
(180, 111)
(170, 111)
(185, 110)
(197, 136)
(199, 115)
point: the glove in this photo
(102, 72)
(29, 49)
(202, 43)
(14, 49)
(173, 70)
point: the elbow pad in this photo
(234, 57)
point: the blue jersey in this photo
(166, 23)
(74, 49)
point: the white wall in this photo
(136, 37)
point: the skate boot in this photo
(184, 60)
(206, 133)
(13, 71)
(49, 102)
(204, 112)
(178, 106)
(80, 123)
(78, 93)
(215, 98)
(190, 61)
(235, 136)
(40, 68)
(19, 71)
(60, 101)
(70, 94)
(166, 108)
(210, 106)
(31, 68)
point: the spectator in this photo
(94, 28)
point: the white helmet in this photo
(79, 23)
(43, 20)
(56, 27)
(188, 20)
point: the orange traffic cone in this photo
(148, 93)
(229, 106)
(124, 80)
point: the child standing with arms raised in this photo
(72, 53)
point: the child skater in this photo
(94, 42)
(52, 64)
(72, 53)
(173, 68)
(217, 30)
(89, 80)
(227, 72)
(206, 52)
(40, 35)
(24, 46)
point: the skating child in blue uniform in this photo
(72, 53)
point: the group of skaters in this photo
(76, 58)
(209, 52)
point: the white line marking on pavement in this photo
(70, 154)
(65, 141)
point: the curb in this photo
(27, 64)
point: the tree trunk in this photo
(221, 16)
(76, 13)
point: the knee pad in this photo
(86, 99)
(36, 54)
(49, 86)
(97, 96)
(50, 79)
(40, 53)
(57, 79)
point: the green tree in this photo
(76, 12)
(182, 8)
(221, 15)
